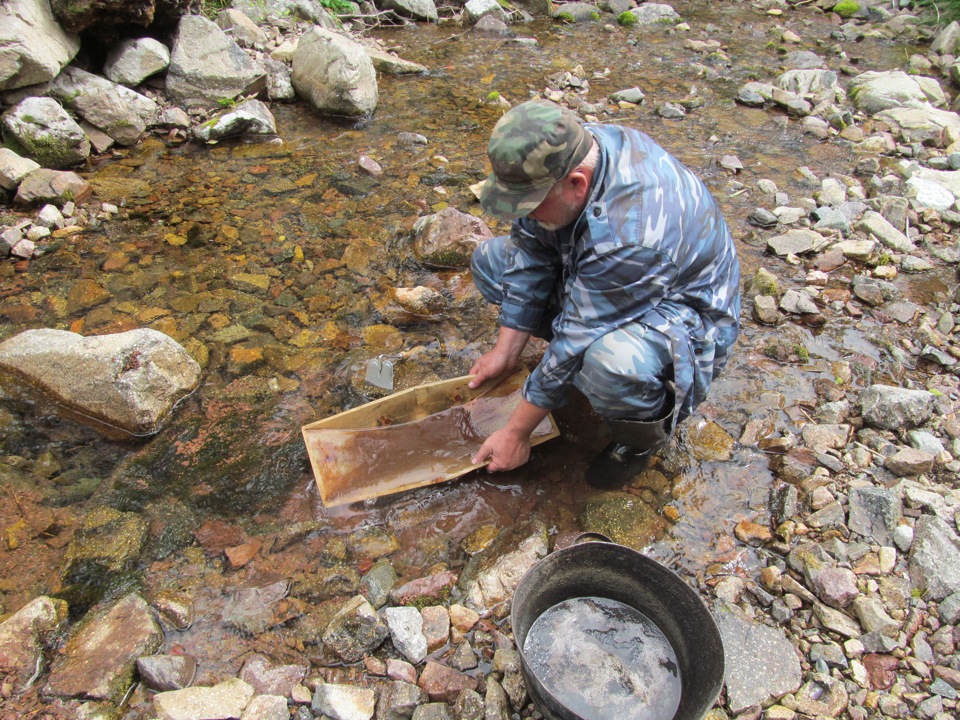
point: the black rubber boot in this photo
(634, 441)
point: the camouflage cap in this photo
(532, 146)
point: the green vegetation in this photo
(566, 17)
(627, 19)
(846, 8)
(226, 102)
(802, 353)
(944, 11)
(493, 96)
(337, 6)
(212, 8)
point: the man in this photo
(618, 256)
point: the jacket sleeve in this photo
(533, 270)
(610, 290)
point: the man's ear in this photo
(580, 182)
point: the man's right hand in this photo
(503, 358)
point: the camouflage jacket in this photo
(650, 247)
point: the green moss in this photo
(226, 102)
(627, 19)
(594, 16)
(846, 8)
(565, 17)
(493, 96)
(802, 353)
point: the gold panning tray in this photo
(417, 437)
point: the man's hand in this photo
(507, 450)
(502, 358)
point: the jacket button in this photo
(597, 212)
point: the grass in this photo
(944, 11)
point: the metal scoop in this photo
(380, 370)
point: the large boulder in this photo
(416, 9)
(132, 61)
(249, 119)
(926, 125)
(40, 129)
(120, 112)
(312, 10)
(33, 47)
(207, 66)
(124, 384)
(334, 74)
(44, 186)
(448, 238)
(874, 91)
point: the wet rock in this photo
(874, 513)
(432, 711)
(378, 582)
(117, 110)
(131, 61)
(506, 662)
(469, 706)
(249, 119)
(125, 383)
(97, 661)
(761, 663)
(436, 626)
(406, 631)
(490, 577)
(175, 608)
(633, 95)
(25, 636)
(620, 516)
(35, 46)
(752, 533)
(765, 310)
(356, 630)
(398, 700)
(269, 679)
(206, 65)
(40, 129)
(935, 558)
(334, 74)
(655, 14)
(225, 700)
(796, 242)
(462, 618)
(166, 672)
(447, 239)
(709, 441)
(444, 684)
(797, 302)
(107, 542)
(428, 589)
(893, 408)
(254, 609)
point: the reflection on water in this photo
(602, 659)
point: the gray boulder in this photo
(14, 168)
(260, 10)
(132, 61)
(120, 112)
(207, 66)
(655, 14)
(807, 82)
(39, 128)
(123, 384)
(927, 125)
(874, 91)
(935, 558)
(334, 74)
(33, 46)
(475, 10)
(248, 119)
(53, 186)
(416, 9)
(947, 41)
(241, 28)
(356, 630)
(448, 238)
(894, 408)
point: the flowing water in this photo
(274, 266)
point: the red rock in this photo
(401, 670)
(240, 555)
(215, 536)
(433, 587)
(444, 684)
(881, 670)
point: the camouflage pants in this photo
(626, 374)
